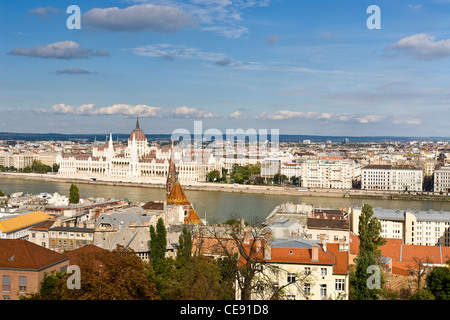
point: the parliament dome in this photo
(139, 135)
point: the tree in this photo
(214, 175)
(419, 269)
(438, 282)
(241, 247)
(105, 275)
(74, 194)
(367, 266)
(2, 194)
(184, 250)
(158, 242)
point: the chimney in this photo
(323, 241)
(314, 252)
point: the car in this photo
(302, 189)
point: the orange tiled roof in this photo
(23, 221)
(177, 195)
(193, 217)
(23, 254)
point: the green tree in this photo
(158, 242)
(74, 194)
(105, 275)
(2, 194)
(214, 175)
(367, 280)
(184, 245)
(438, 282)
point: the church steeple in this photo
(137, 122)
(172, 173)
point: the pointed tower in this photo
(172, 175)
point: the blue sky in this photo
(303, 67)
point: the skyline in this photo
(301, 67)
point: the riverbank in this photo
(226, 187)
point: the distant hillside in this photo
(165, 137)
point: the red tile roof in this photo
(23, 254)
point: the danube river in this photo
(216, 206)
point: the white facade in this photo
(442, 180)
(137, 162)
(335, 174)
(428, 228)
(387, 177)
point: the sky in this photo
(302, 67)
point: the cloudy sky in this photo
(303, 67)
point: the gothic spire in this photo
(137, 122)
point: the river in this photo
(215, 206)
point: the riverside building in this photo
(428, 228)
(391, 178)
(138, 162)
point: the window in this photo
(290, 297)
(339, 285)
(323, 290)
(323, 272)
(6, 283)
(22, 284)
(307, 271)
(307, 289)
(290, 277)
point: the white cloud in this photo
(221, 16)
(43, 12)
(143, 17)
(144, 111)
(422, 46)
(415, 6)
(170, 52)
(59, 50)
(73, 71)
(237, 115)
(408, 121)
(287, 115)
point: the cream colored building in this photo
(17, 160)
(391, 178)
(429, 228)
(442, 180)
(302, 270)
(138, 162)
(335, 174)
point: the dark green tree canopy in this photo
(74, 196)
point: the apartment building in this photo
(428, 228)
(291, 169)
(391, 178)
(335, 174)
(17, 160)
(17, 226)
(442, 180)
(66, 236)
(23, 266)
(305, 270)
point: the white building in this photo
(392, 178)
(430, 228)
(336, 174)
(138, 162)
(302, 270)
(291, 169)
(442, 180)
